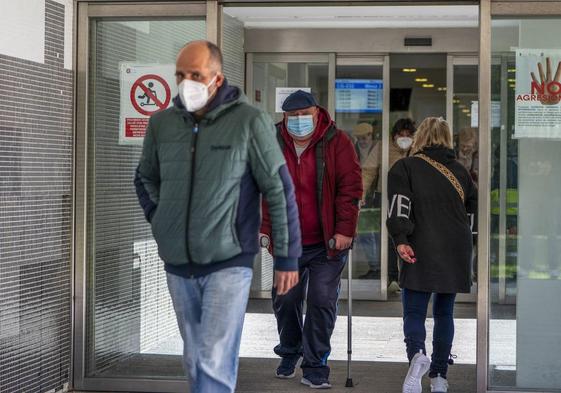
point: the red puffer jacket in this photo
(330, 160)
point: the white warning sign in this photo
(145, 90)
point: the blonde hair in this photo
(433, 131)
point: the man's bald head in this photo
(203, 49)
(200, 61)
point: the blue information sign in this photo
(359, 95)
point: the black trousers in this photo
(320, 280)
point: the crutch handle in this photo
(332, 243)
(264, 241)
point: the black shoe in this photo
(316, 382)
(285, 370)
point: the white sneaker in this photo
(420, 364)
(438, 384)
(394, 287)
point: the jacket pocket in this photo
(166, 236)
(213, 237)
(156, 228)
(154, 220)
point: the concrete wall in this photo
(35, 194)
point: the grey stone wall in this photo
(35, 215)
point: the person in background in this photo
(205, 163)
(468, 155)
(401, 140)
(324, 167)
(368, 156)
(466, 151)
(367, 243)
(431, 197)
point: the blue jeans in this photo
(415, 306)
(210, 312)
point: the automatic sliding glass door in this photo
(462, 114)
(271, 78)
(360, 110)
(126, 331)
(353, 90)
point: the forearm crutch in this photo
(349, 382)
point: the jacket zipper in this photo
(194, 136)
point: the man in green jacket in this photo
(205, 162)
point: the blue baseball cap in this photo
(298, 100)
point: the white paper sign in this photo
(538, 94)
(145, 90)
(495, 114)
(281, 93)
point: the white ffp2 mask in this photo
(194, 95)
(404, 142)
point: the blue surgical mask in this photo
(300, 126)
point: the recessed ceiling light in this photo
(409, 70)
(421, 80)
(428, 85)
(465, 110)
(441, 89)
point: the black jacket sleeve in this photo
(400, 196)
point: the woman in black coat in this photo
(431, 198)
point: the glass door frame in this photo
(503, 296)
(327, 58)
(452, 60)
(84, 12)
(487, 10)
(374, 60)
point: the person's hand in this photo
(406, 253)
(545, 79)
(284, 281)
(342, 242)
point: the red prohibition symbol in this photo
(150, 102)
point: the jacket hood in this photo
(225, 97)
(439, 153)
(324, 122)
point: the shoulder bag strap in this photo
(446, 172)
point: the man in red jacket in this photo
(326, 173)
